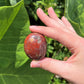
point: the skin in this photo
(62, 31)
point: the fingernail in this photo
(34, 64)
(50, 8)
(40, 10)
(31, 27)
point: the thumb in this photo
(55, 66)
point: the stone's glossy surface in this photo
(35, 46)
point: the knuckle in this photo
(46, 63)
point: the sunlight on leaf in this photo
(13, 2)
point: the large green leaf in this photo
(13, 41)
(7, 15)
(24, 75)
(14, 64)
(74, 11)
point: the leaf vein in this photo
(3, 79)
(19, 80)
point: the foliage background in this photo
(15, 18)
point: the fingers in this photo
(53, 21)
(66, 22)
(43, 17)
(52, 13)
(57, 29)
(52, 65)
(47, 20)
(66, 38)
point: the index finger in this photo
(68, 39)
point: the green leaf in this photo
(23, 75)
(4, 3)
(27, 2)
(13, 41)
(14, 64)
(74, 11)
(7, 16)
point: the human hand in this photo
(62, 31)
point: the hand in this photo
(62, 31)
